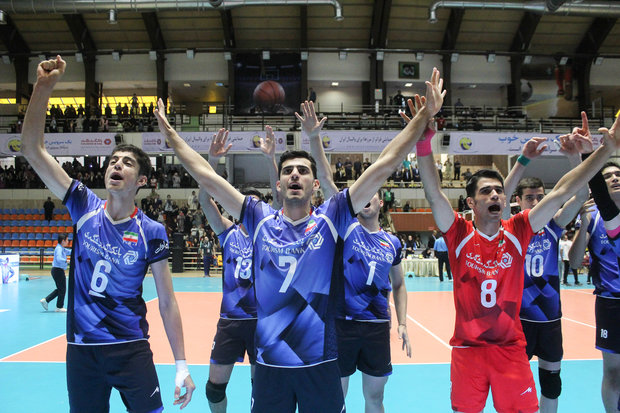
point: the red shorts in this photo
(505, 369)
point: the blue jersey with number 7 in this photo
(293, 263)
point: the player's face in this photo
(296, 180)
(489, 200)
(122, 173)
(371, 210)
(612, 179)
(530, 198)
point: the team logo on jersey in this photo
(315, 242)
(505, 261)
(130, 257)
(130, 237)
(310, 226)
(389, 257)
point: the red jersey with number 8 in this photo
(488, 281)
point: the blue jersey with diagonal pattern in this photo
(110, 260)
(368, 258)
(541, 283)
(604, 265)
(293, 262)
(238, 299)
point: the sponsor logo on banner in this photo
(501, 143)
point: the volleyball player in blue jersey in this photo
(540, 306)
(294, 252)
(600, 231)
(237, 325)
(114, 244)
(371, 266)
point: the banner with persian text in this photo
(63, 144)
(503, 143)
(154, 142)
(352, 141)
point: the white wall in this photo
(129, 68)
(476, 70)
(329, 99)
(204, 66)
(328, 67)
(606, 74)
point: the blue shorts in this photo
(312, 389)
(607, 314)
(364, 346)
(232, 340)
(92, 372)
(543, 340)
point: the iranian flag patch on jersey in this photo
(129, 236)
(384, 243)
(311, 225)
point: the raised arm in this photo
(268, 148)
(171, 317)
(530, 151)
(570, 148)
(581, 238)
(570, 183)
(400, 303)
(311, 126)
(212, 213)
(33, 143)
(373, 178)
(199, 168)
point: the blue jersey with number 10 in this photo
(293, 262)
(110, 260)
(368, 258)
(238, 299)
(541, 289)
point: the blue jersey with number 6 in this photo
(238, 299)
(293, 263)
(541, 283)
(110, 260)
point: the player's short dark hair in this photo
(249, 191)
(609, 164)
(472, 183)
(528, 183)
(144, 162)
(297, 154)
(61, 237)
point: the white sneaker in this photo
(43, 303)
(61, 310)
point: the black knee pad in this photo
(550, 383)
(215, 392)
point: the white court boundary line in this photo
(30, 348)
(416, 322)
(578, 322)
(44, 342)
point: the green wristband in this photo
(523, 160)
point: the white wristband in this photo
(182, 373)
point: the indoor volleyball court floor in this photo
(32, 350)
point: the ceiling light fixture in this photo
(112, 17)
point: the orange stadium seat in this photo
(48, 243)
(15, 243)
(23, 243)
(66, 216)
(38, 216)
(38, 229)
(32, 243)
(54, 229)
(22, 229)
(39, 243)
(21, 217)
(5, 229)
(69, 229)
(29, 217)
(45, 229)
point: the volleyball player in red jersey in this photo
(486, 257)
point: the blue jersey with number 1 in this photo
(368, 258)
(238, 299)
(110, 260)
(541, 283)
(293, 262)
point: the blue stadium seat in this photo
(21, 211)
(47, 236)
(38, 236)
(48, 251)
(15, 235)
(53, 223)
(31, 235)
(23, 235)
(70, 236)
